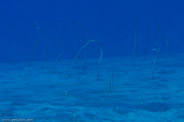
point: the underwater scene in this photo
(92, 61)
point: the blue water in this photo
(91, 60)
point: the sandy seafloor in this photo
(58, 93)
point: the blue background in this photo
(65, 24)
